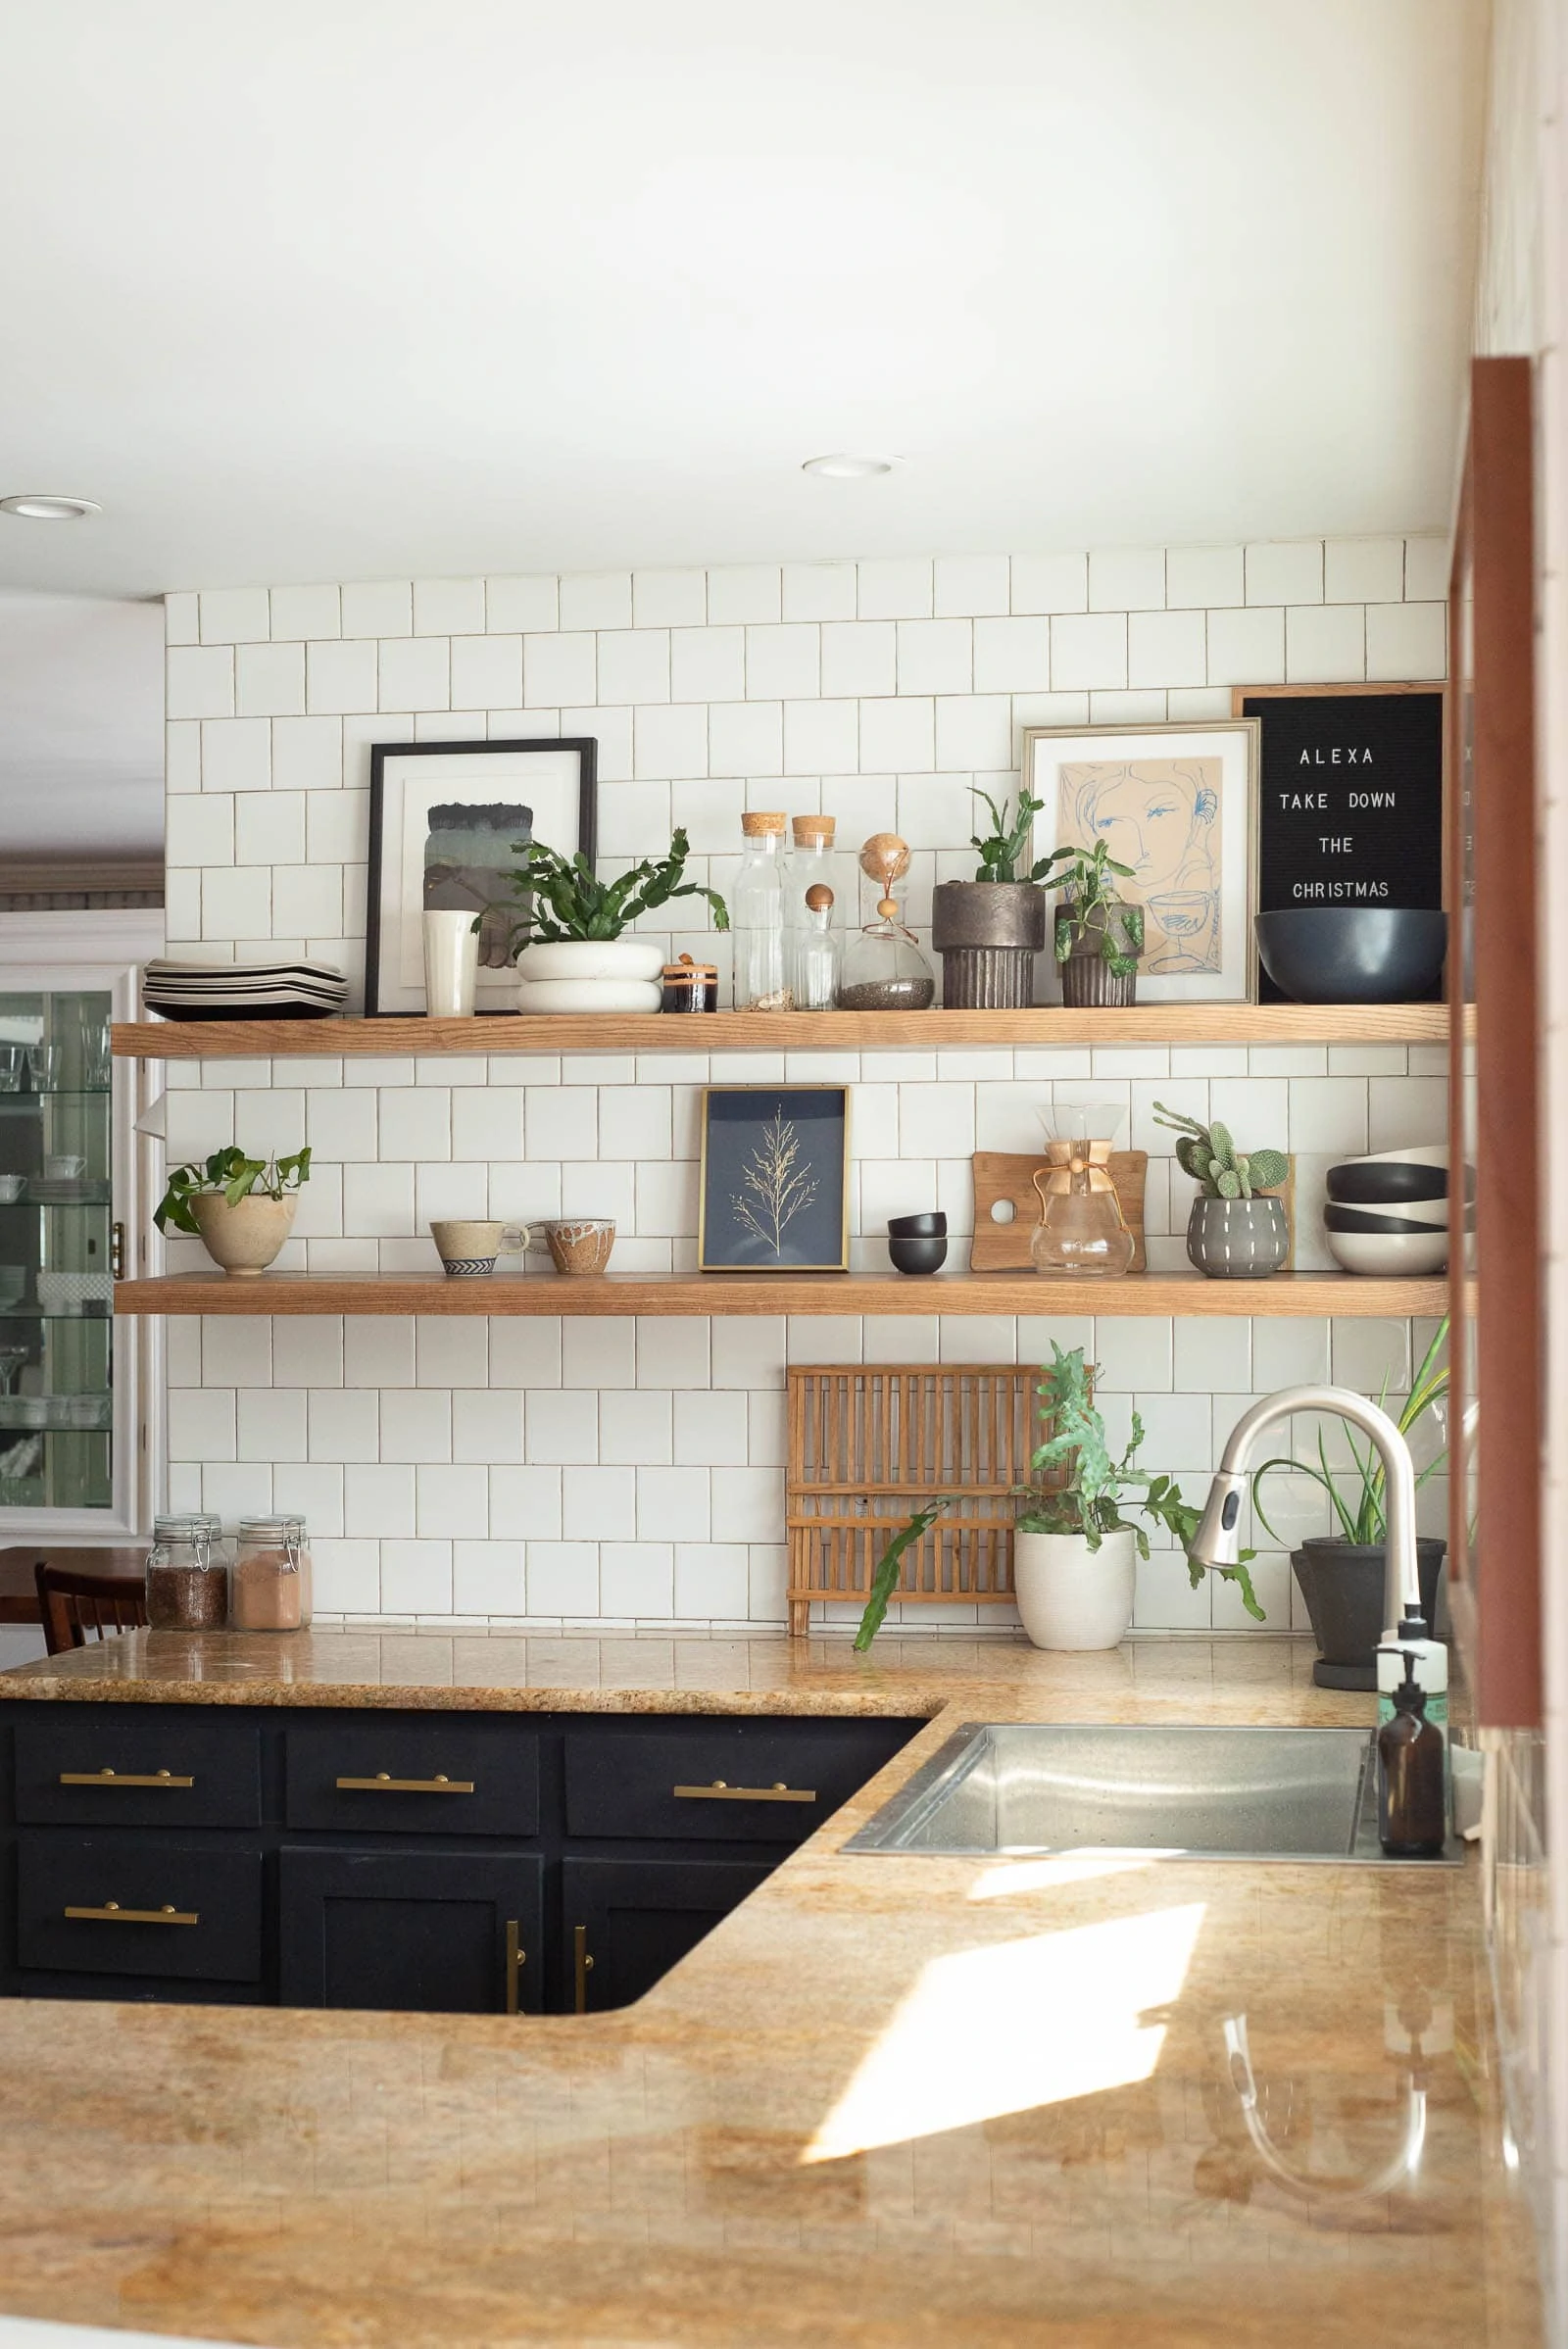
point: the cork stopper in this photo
(820, 898)
(758, 826)
(807, 828)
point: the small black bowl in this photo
(1353, 954)
(1367, 1219)
(930, 1226)
(925, 1253)
(1373, 1183)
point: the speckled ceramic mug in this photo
(468, 1250)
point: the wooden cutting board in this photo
(1009, 1175)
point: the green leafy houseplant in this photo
(1091, 907)
(571, 905)
(1090, 1503)
(233, 1175)
(1003, 848)
(1209, 1156)
(1363, 1515)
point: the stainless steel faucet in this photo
(1217, 1543)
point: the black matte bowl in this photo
(932, 1225)
(1374, 1182)
(1353, 954)
(1363, 1219)
(927, 1254)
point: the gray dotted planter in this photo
(1237, 1239)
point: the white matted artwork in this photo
(446, 818)
(1178, 806)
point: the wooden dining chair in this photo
(75, 1605)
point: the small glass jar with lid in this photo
(885, 968)
(756, 910)
(187, 1578)
(271, 1575)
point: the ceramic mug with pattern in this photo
(468, 1250)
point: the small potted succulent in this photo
(1235, 1232)
(1074, 1553)
(575, 958)
(988, 931)
(1098, 936)
(241, 1210)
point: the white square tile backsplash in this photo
(625, 1472)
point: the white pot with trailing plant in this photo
(1234, 1232)
(241, 1210)
(576, 957)
(1074, 1554)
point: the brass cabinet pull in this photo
(122, 1777)
(721, 1791)
(113, 1914)
(384, 1784)
(583, 1965)
(517, 1959)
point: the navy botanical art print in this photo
(775, 1178)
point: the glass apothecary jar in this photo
(271, 1589)
(885, 968)
(187, 1581)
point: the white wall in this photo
(576, 1471)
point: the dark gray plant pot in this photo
(1342, 1583)
(1087, 978)
(988, 934)
(1237, 1239)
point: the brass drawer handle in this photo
(113, 1914)
(517, 1959)
(121, 1778)
(384, 1784)
(582, 1965)
(721, 1791)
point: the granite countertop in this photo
(889, 2101)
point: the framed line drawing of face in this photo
(445, 821)
(1177, 805)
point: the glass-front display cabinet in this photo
(73, 1437)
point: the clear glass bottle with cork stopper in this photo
(884, 967)
(810, 866)
(757, 909)
(818, 953)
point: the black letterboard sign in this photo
(1350, 801)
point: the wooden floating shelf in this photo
(784, 1031)
(655, 1295)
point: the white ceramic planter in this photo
(246, 1238)
(1072, 1597)
(613, 974)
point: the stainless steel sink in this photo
(1199, 1793)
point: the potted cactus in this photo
(1235, 1232)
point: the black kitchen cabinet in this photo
(451, 1862)
(625, 1923)
(438, 1932)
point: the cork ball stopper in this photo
(885, 857)
(757, 825)
(807, 828)
(820, 898)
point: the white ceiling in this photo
(375, 287)
(82, 730)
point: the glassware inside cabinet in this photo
(56, 1283)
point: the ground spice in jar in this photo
(187, 1598)
(271, 1589)
(914, 994)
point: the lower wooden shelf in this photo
(662, 1294)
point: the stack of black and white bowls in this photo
(1388, 1214)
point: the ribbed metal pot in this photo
(988, 934)
(1086, 979)
(988, 978)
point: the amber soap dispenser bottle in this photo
(1412, 1812)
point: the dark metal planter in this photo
(1343, 1584)
(988, 934)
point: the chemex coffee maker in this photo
(1082, 1230)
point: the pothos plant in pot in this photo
(242, 1209)
(1099, 935)
(1075, 1547)
(988, 931)
(1235, 1230)
(576, 956)
(1340, 1574)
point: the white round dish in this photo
(591, 958)
(561, 996)
(1385, 1256)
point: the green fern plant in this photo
(1209, 1156)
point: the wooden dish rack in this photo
(868, 1443)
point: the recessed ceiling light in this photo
(844, 468)
(40, 506)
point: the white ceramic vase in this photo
(244, 1238)
(611, 974)
(1072, 1597)
(451, 965)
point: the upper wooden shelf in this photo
(653, 1294)
(784, 1031)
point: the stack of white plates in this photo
(243, 990)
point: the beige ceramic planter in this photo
(244, 1238)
